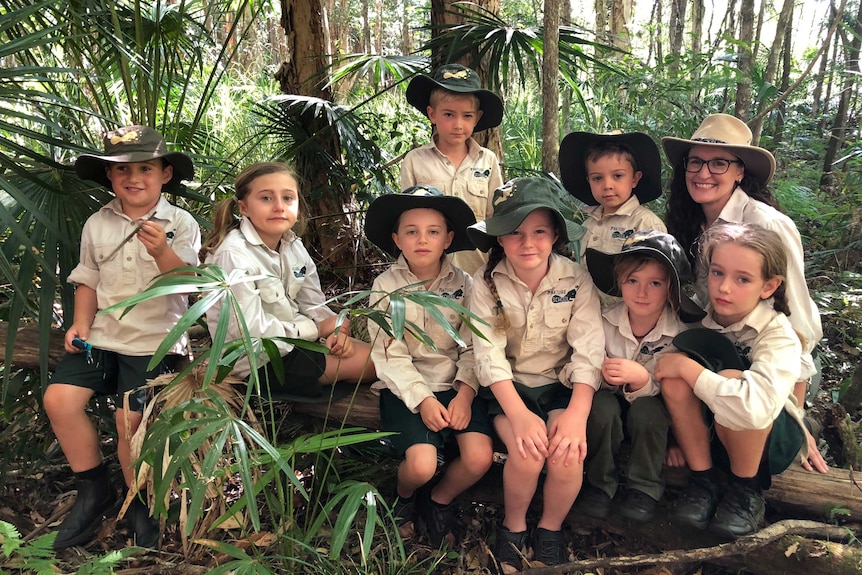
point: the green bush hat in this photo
(711, 349)
(383, 213)
(729, 133)
(513, 202)
(133, 144)
(461, 80)
(573, 164)
(658, 245)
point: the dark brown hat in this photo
(573, 165)
(462, 80)
(133, 144)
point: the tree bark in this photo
(676, 30)
(772, 60)
(621, 15)
(551, 88)
(745, 63)
(839, 123)
(787, 64)
(330, 229)
(697, 11)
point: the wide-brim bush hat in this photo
(655, 244)
(513, 202)
(573, 165)
(133, 144)
(461, 80)
(711, 349)
(383, 213)
(729, 133)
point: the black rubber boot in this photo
(95, 497)
(143, 525)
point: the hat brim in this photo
(601, 268)
(419, 96)
(573, 169)
(711, 349)
(92, 167)
(484, 234)
(385, 210)
(759, 163)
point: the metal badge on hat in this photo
(130, 136)
(459, 75)
(505, 192)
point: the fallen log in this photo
(796, 492)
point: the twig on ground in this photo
(742, 545)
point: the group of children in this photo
(557, 377)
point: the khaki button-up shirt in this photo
(607, 233)
(804, 315)
(116, 275)
(286, 302)
(474, 181)
(620, 342)
(753, 401)
(554, 335)
(409, 368)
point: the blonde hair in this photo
(765, 242)
(225, 214)
(440, 95)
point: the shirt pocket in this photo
(273, 299)
(556, 320)
(477, 194)
(110, 266)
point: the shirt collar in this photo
(251, 236)
(762, 314)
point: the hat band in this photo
(708, 140)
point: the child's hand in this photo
(673, 365)
(434, 415)
(153, 236)
(460, 408)
(75, 331)
(340, 344)
(619, 371)
(815, 459)
(568, 434)
(531, 435)
(674, 456)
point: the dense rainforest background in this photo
(320, 83)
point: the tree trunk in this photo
(601, 26)
(551, 88)
(656, 51)
(839, 123)
(676, 31)
(406, 36)
(566, 20)
(303, 25)
(772, 59)
(745, 63)
(697, 10)
(621, 15)
(787, 51)
(818, 84)
(827, 99)
(758, 29)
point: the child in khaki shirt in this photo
(649, 274)
(124, 246)
(428, 395)
(453, 162)
(614, 174)
(541, 360)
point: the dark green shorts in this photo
(113, 374)
(302, 370)
(540, 400)
(783, 445)
(410, 429)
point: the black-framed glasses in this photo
(716, 166)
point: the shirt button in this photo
(128, 259)
(601, 222)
